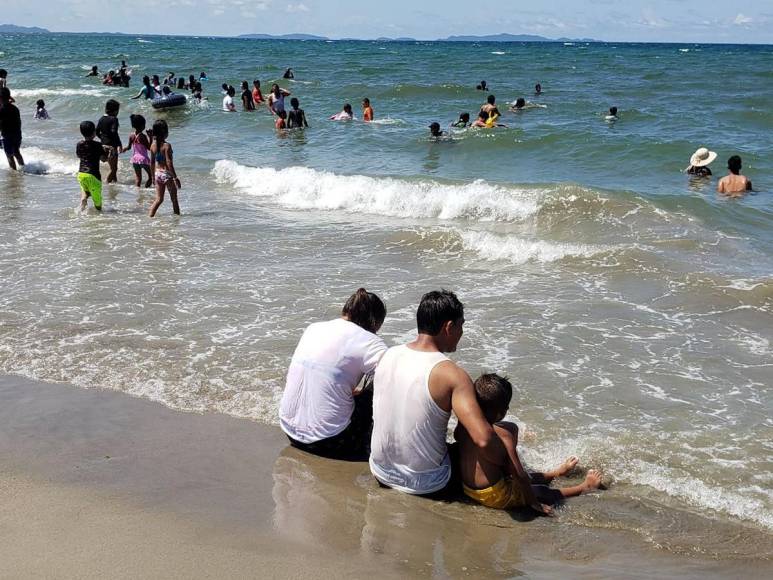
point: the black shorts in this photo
(11, 145)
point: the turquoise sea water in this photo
(632, 306)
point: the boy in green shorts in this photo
(90, 154)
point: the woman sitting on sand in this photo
(322, 411)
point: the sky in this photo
(740, 21)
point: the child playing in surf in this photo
(508, 485)
(139, 145)
(464, 121)
(281, 119)
(107, 131)
(90, 154)
(40, 110)
(162, 168)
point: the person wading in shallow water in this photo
(322, 410)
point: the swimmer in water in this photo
(435, 132)
(289, 74)
(94, 72)
(490, 106)
(612, 117)
(734, 184)
(345, 115)
(482, 86)
(487, 120)
(147, 91)
(538, 89)
(203, 76)
(367, 110)
(700, 161)
(162, 168)
(228, 100)
(522, 104)
(257, 95)
(248, 104)
(464, 121)
(296, 119)
(276, 100)
(281, 122)
(40, 112)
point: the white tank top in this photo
(408, 446)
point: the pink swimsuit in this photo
(139, 153)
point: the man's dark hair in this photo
(435, 309)
(734, 164)
(88, 129)
(491, 99)
(493, 394)
(365, 309)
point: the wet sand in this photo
(100, 484)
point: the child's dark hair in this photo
(491, 99)
(41, 104)
(3, 73)
(366, 101)
(520, 102)
(231, 91)
(160, 129)
(348, 108)
(734, 164)
(111, 107)
(613, 111)
(88, 129)
(493, 393)
(465, 117)
(281, 113)
(365, 309)
(245, 85)
(295, 103)
(137, 122)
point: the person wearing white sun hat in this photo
(700, 161)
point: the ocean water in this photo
(631, 306)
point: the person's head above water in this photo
(494, 394)
(156, 79)
(275, 89)
(181, 83)
(4, 73)
(231, 91)
(441, 315)
(366, 102)
(734, 164)
(520, 103)
(166, 90)
(245, 85)
(202, 75)
(491, 99)
(5, 94)
(538, 88)
(464, 117)
(256, 83)
(94, 69)
(295, 103)
(137, 122)
(224, 86)
(146, 80)
(40, 104)
(613, 112)
(365, 309)
(88, 129)
(348, 108)
(111, 107)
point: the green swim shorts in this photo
(92, 187)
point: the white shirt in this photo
(228, 103)
(329, 361)
(408, 450)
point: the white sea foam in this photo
(498, 52)
(304, 188)
(519, 251)
(43, 92)
(43, 162)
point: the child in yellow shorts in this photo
(90, 153)
(508, 485)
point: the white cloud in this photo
(742, 20)
(300, 7)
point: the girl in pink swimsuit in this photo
(162, 166)
(139, 144)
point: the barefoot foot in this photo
(592, 480)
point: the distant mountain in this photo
(512, 38)
(22, 29)
(282, 37)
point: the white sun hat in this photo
(702, 157)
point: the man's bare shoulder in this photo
(450, 373)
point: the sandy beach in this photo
(100, 484)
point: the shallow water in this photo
(631, 306)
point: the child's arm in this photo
(306, 124)
(508, 433)
(170, 165)
(153, 163)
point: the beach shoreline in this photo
(97, 483)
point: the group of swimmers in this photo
(153, 156)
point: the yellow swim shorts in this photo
(92, 187)
(504, 494)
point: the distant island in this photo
(12, 28)
(22, 29)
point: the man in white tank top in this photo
(415, 389)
